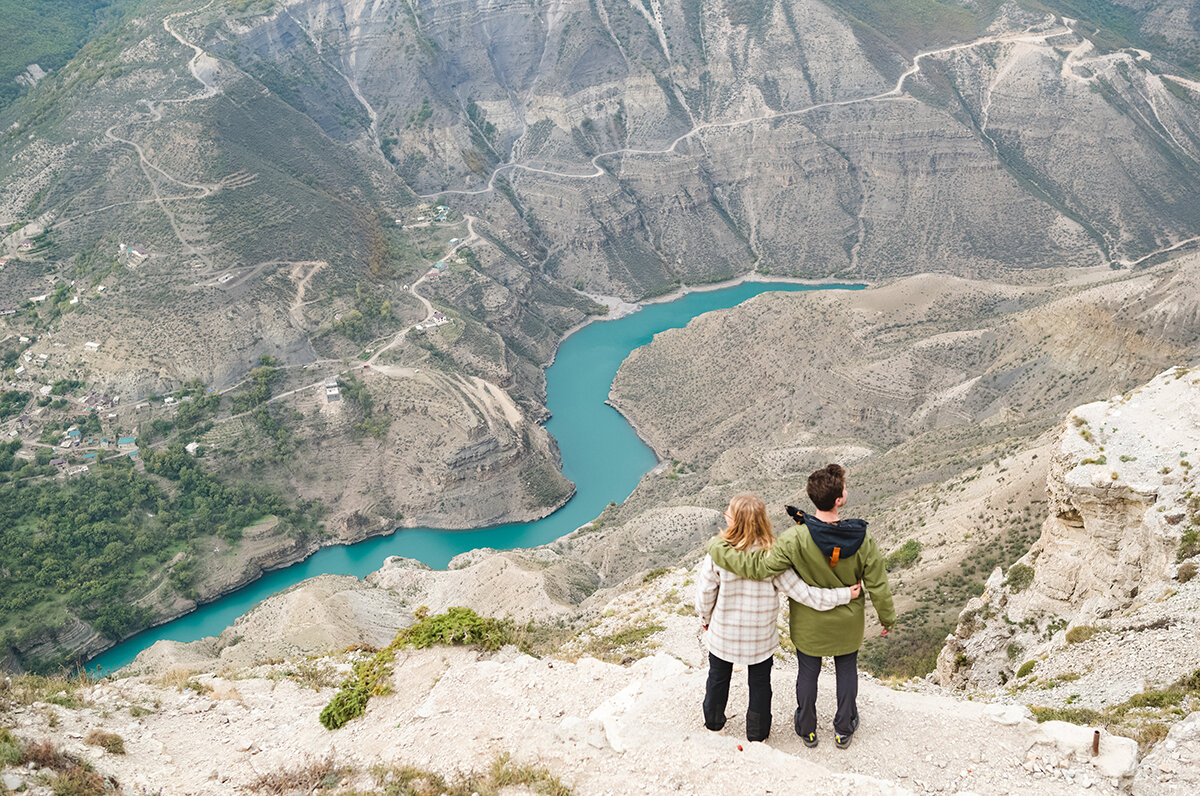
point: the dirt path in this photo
(471, 238)
(298, 302)
(155, 116)
(893, 93)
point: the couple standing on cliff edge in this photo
(822, 564)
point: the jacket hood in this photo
(844, 535)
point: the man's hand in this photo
(856, 590)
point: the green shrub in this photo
(1084, 716)
(655, 574)
(369, 678)
(1189, 544)
(347, 704)
(1019, 577)
(108, 741)
(1014, 651)
(1157, 698)
(458, 626)
(10, 748)
(905, 555)
(1080, 633)
(1026, 668)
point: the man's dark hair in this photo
(826, 485)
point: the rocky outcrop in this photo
(599, 727)
(1113, 557)
(325, 613)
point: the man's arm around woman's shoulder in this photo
(759, 564)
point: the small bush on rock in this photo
(458, 626)
(905, 555)
(1186, 572)
(108, 741)
(1026, 668)
(1080, 633)
(1189, 544)
(1019, 577)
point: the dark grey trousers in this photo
(716, 694)
(845, 721)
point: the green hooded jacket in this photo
(838, 631)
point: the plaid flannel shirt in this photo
(741, 614)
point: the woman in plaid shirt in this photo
(740, 615)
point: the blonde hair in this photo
(749, 526)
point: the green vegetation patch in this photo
(456, 626)
(1019, 577)
(89, 545)
(12, 402)
(1189, 544)
(905, 555)
(42, 32)
(1135, 717)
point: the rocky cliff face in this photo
(1113, 558)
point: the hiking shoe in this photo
(810, 740)
(842, 741)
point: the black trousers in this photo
(716, 694)
(845, 721)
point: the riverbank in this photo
(601, 453)
(620, 308)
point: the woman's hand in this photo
(856, 590)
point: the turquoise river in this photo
(600, 453)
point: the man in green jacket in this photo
(826, 552)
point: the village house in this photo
(127, 444)
(8, 310)
(60, 463)
(333, 393)
(91, 346)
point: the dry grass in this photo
(108, 741)
(310, 776)
(182, 679)
(57, 689)
(410, 781)
(71, 777)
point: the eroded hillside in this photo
(940, 395)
